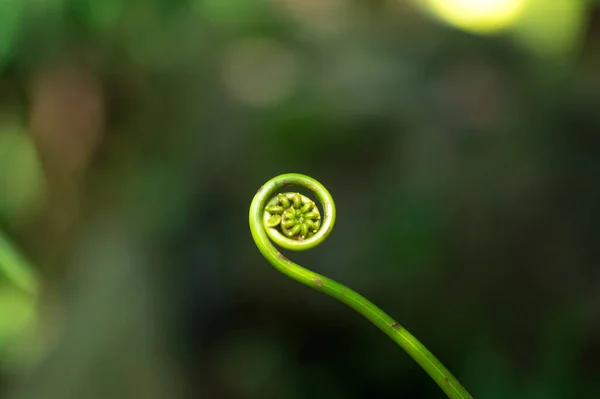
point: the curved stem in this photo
(261, 234)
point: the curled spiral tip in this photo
(293, 221)
(290, 219)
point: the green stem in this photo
(263, 233)
(15, 267)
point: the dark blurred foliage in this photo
(465, 172)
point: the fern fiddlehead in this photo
(294, 222)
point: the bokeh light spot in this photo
(322, 18)
(260, 72)
(478, 16)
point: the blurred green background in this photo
(459, 138)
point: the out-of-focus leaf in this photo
(17, 317)
(102, 14)
(20, 195)
(230, 13)
(10, 14)
(551, 28)
(15, 268)
(21, 176)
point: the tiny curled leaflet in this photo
(296, 215)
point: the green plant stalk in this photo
(15, 267)
(262, 234)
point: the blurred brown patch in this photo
(67, 121)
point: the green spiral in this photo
(293, 221)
